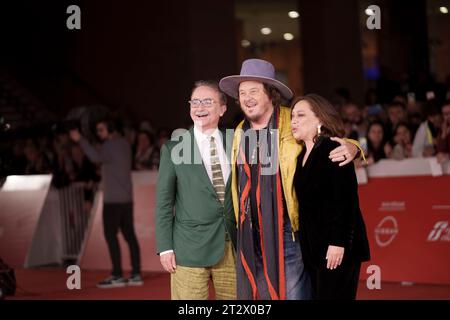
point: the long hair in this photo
(376, 123)
(273, 94)
(332, 125)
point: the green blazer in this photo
(190, 219)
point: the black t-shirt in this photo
(252, 155)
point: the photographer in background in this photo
(115, 158)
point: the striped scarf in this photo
(266, 226)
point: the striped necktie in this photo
(217, 177)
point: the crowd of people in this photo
(55, 153)
(400, 129)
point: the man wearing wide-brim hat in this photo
(264, 158)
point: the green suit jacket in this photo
(190, 219)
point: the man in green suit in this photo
(195, 222)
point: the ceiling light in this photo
(293, 14)
(245, 43)
(288, 36)
(266, 31)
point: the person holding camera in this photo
(115, 157)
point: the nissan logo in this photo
(386, 231)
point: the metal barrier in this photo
(75, 215)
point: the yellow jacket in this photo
(288, 151)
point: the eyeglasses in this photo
(207, 103)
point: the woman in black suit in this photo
(332, 232)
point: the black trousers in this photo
(119, 216)
(338, 284)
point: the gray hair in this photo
(213, 85)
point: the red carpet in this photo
(49, 284)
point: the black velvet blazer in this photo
(329, 210)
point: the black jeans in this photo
(120, 216)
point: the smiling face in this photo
(255, 102)
(304, 122)
(206, 118)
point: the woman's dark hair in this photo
(332, 125)
(371, 124)
(375, 122)
(376, 153)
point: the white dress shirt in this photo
(203, 142)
